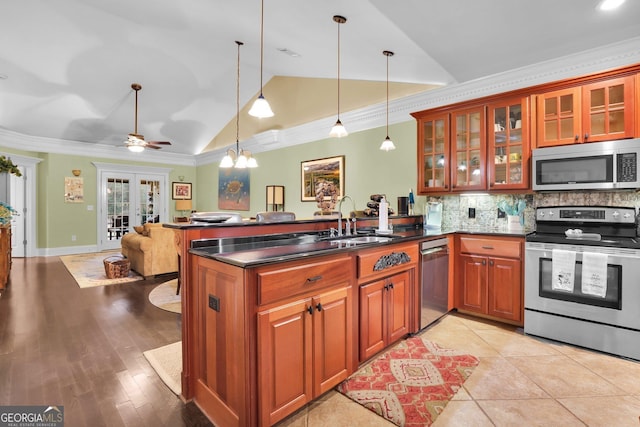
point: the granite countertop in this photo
(272, 252)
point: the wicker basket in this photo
(116, 267)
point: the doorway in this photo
(129, 199)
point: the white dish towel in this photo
(563, 268)
(594, 274)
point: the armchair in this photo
(151, 250)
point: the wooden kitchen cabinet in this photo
(433, 153)
(468, 149)
(5, 255)
(598, 111)
(388, 296)
(385, 306)
(304, 350)
(490, 277)
(508, 144)
(475, 148)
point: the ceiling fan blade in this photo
(159, 142)
(155, 147)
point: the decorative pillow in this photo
(139, 229)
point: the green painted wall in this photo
(57, 221)
(367, 170)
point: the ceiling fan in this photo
(135, 142)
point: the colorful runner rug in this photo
(411, 383)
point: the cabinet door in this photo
(433, 153)
(473, 283)
(508, 145)
(398, 306)
(332, 346)
(372, 318)
(468, 150)
(504, 288)
(608, 110)
(284, 360)
(558, 118)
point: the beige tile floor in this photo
(520, 381)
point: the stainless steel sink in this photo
(349, 241)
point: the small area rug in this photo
(167, 362)
(88, 269)
(411, 383)
(164, 296)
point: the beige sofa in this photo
(151, 250)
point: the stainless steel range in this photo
(582, 278)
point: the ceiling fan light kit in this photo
(338, 130)
(261, 107)
(135, 142)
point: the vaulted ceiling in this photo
(66, 67)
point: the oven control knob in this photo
(627, 215)
(550, 213)
(615, 214)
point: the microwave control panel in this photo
(627, 167)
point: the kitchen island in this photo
(270, 327)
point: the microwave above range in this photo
(609, 165)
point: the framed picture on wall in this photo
(327, 172)
(181, 190)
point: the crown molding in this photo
(612, 56)
(39, 144)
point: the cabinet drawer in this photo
(491, 246)
(386, 260)
(289, 281)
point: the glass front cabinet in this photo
(433, 153)
(598, 111)
(469, 149)
(508, 144)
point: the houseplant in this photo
(6, 165)
(6, 211)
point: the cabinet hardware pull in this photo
(386, 287)
(484, 262)
(491, 263)
(319, 307)
(577, 138)
(586, 136)
(314, 278)
(487, 247)
(390, 285)
(310, 309)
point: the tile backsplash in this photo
(455, 208)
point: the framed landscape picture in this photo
(329, 171)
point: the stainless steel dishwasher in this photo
(434, 288)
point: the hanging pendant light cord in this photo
(387, 55)
(238, 101)
(338, 69)
(261, 42)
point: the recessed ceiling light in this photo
(610, 4)
(288, 52)
(3, 76)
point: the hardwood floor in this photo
(82, 348)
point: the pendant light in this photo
(260, 107)
(243, 159)
(338, 130)
(387, 144)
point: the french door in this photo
(128, 200)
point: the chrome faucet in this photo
(348, 230)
